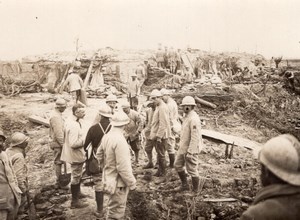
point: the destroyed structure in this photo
(239, 96)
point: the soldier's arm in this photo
(20, 169)
(58, 129)
(124, 164)
(195, 127)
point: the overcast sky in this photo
(268, 27)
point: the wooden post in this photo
(206, 103)
(88, 75)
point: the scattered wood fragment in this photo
(39, 120)
(220, 200)
(213, 96)
(206, 103)
(87, 78)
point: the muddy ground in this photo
(255, 112)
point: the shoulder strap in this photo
(101, 128)
(104, 132)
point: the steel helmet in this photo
(188, 100)
(18, 138)
(105, 110)
(111, 98)
(165, 91)
(147, 103)
(155, 93)
(120, 118)
(2, 135)
(126, 104)
(60, 103)
(281, 155)
(133, 74)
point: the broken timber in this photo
(207, 96)
(230, 139)
(206, 103)
(39, 120)
(220, 200)
(87, 78)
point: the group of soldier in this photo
(116, 136)
(168, 59)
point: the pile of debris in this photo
(99, 71)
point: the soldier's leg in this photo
(57, 163)
(180, 168)
(117, 204)
(99, 194)
(136, 148)
(148, 148)
(192, 169)
(171, 150)
(161, 150)
(76, 173)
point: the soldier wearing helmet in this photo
(111, 101)
(73, 153)
(56, 123)
(133, 129)
(93, 139)
(133, 91)
(10, 192)
(114, 158)
(173, 112)
(148, 142)
(280, 177)
(16, 154)
(140, 74)
(160, 130)
(74, 84)
(190, 145)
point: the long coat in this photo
(114, 157)
(8, 184)
(190, 137)
(277, 201)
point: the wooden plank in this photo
(206, 96)
(206, 103)
(186, 61)
(88, 75)
(230, 139)
(220, 200)
(39, 120)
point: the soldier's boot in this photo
(172, 159)
(158, 173)
(150, 163)
(99, 201)
(195, 182)
(184, 184)
(163, 167)
(136, 157)
(76, 203)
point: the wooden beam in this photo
(39, 120)
(88, 75)
(220, 200)
(230, 139)
(207, 96)
(203, 102)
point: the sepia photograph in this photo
(149, 109)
